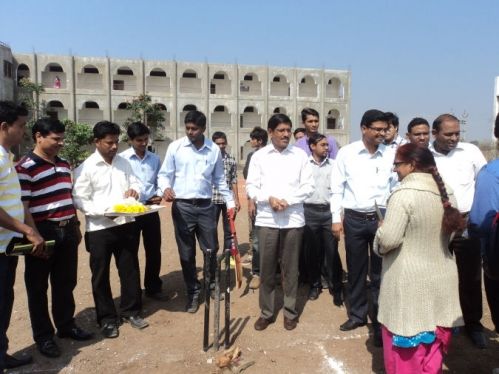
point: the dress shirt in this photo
(192, 172)
(322, 181)
(396, 142)
(360, 179)
(302, 143)
(99, 185)
(459, 169)
(146, 169)
(284, 175)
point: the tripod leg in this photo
(227, 299)
(216, 313)
(206, 270)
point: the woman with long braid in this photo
(419, 299)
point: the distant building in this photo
(234, 97)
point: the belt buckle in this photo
(63, 223)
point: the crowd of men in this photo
(303, 198)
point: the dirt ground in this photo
(173, 341)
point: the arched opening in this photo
(53, 76)
(189, 82)
(166, 122)
(250, 118)
(90, 113)
(280, 86)
(22, 72)
(89, 78)
(55, 109)
(334, 121)
(307, 87)
(280, 110)
(124, 79)
(158, 81)
(334, 89)
(250, 85)
(220, 117)
(122, 113)
(220, 84)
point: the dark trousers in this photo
(222, 209)
(123, 242)
(193, 219)
(361, 261)
(150, 227)
(61, 267)
(255, 256)
(492, 292)
(321, 248)
(279, 247)
(469, 270)
(7, 278)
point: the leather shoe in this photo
(290, 324)
(314, 292)
(262, 323)
(377, 339)
(338, 298)
(351, 325)
(110, 330)
(75, 333)
(136, 321)
(192, 304)
(49, 348)
(12, 362)
(478, 339)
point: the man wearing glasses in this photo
(361, 181)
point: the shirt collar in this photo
(324, 162)
(130, 152)
(459, 147)
(361, 148)
(270, 148)
(38, 159)
(207, 143)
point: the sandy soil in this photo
(173, 341)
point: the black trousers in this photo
(321, 248)
(492, 292)
(123, 242)
(361, 261)
(191, 219)
(7, 279)
(150, 227)
(469, 270)
(61, 268)
(222, 209)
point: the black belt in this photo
(62, 223)
(368, 216)
(317, 206)
(194, 201)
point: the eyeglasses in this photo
(378, 129)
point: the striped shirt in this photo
(230, 170)
(47, 187)
(10, 196)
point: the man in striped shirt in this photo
(46, 194)
(12, 123)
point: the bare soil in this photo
(173, 341)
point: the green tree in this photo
(144, 110)
(29, 95)
(78, 137)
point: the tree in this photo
(29, 95)
(77, 138)
(143, 110)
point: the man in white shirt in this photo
(459, 164)
(103, 180)
(279, 181)
(361, 179)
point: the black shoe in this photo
(110, 330)
(351, 325)
(478, 339)
(12, 362)
(262, 323)
(136, 322)
(75, 333)
(314, 293)
(49, 348)
(192, 304)
(377, 338)
(338, 298)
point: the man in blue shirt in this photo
(192, 166)
(146, 166)
(483, 211)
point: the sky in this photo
(415, 58)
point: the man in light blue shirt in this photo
(146, 166)
(192, 166)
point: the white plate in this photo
(153, 209)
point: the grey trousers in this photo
(279, 246)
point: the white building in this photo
(235, 98)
